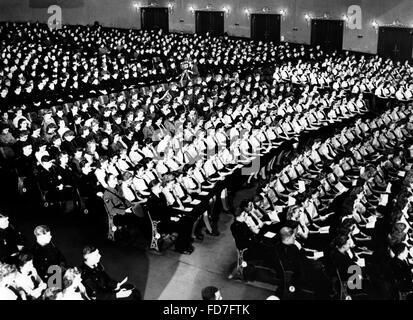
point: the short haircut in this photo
(398, 248)
(45, 158)
(126, 176)
(23, 258)
(341, 240)
(69, 276)
(286, 233)
(208, 293)
(88, 250)
(55, 138)
(6, 270)
(291, 211)
(41, 230)
(153, 183)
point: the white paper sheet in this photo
(361, 262)
(401, 173)
(291, 201)
(270, 235)
(384, 198)
(318, 255)
(324, 229)
(340, 187)
(301, 186)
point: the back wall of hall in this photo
(294, 27)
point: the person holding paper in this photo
(99, 285)
(263, 204)
(296, 213)
(171, 220)
(402, 269)
(342, 259)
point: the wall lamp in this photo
(247, 12)
(283, 13)
(345, 19)
(171, 7)
(375, 25)
(192, 10)
(226, 10)
(137, 5)
(307, 18)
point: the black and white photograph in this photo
(189, 151)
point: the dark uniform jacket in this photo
(402, 275)
(97, 282)
(115, 203)
(243, 236)
(46, 256)
(9, 240)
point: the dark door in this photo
(265, 27)
(327, 34)
(209, 21)
(154, 19)
(395, 43)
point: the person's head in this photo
(46, 162)
(27, 149)
(72, 278)
(7, 274)
(5, 129)
(244, 208)
(51, 129)
(56, 141)
(85, 166)
(104, 142)
(25, 262)
(155, 186)
(69, 136)
(4, 221)
(112, 181)
(294, 213)
(287, 235)
(211, 293)
(91, 255)
(127, 177)
(43, 235)
(400, 251)
(63, 158)
(84, 131)
(342, 242)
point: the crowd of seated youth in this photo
(334, 204)
(43, 273)
(375, 75)
(173, 149)
(92, 143)
(46, 67)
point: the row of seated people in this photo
(43, 273)
(59, 183)
(53, 71)
(105, 60)
(383, 78)
(358, 190)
